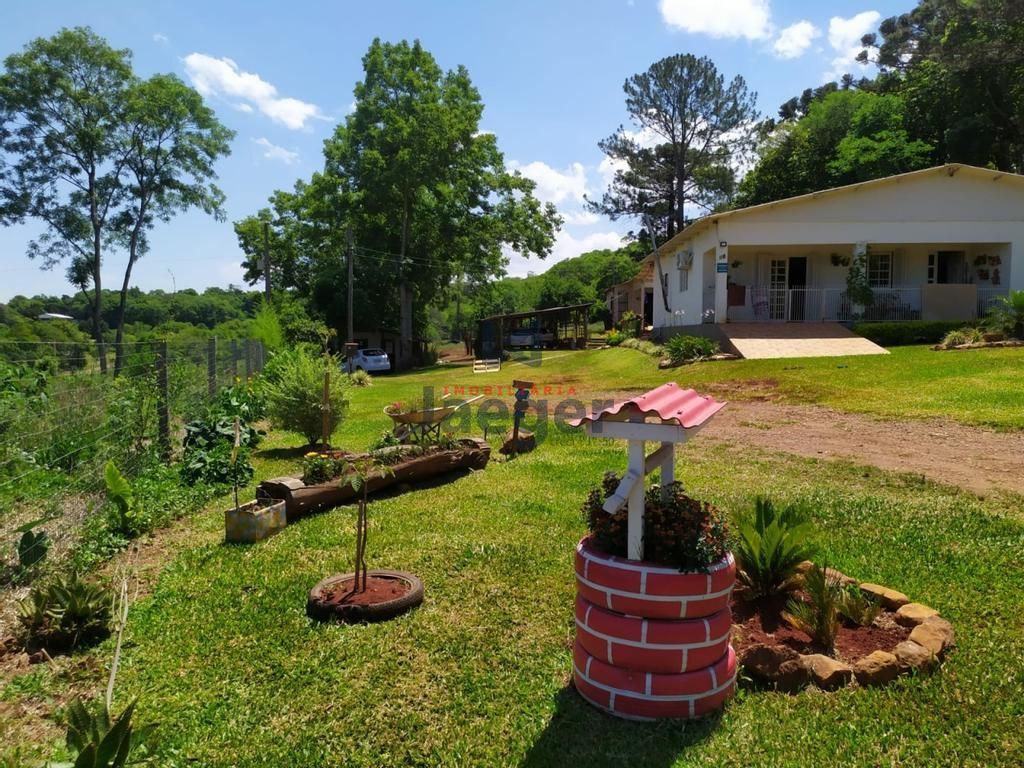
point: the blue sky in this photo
(550, 72)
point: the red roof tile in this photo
(668, 402)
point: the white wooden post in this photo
(668, 468)
(635, 527)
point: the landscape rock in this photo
(910, 656)
(778, 666)
(803, 567)
(889, 598)
(877, 668)
(912, 614)
(826, 672)
(935, 634)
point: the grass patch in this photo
(221, 652)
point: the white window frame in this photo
(874, 273)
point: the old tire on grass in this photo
(650, 695)
(652, 645)
(323, 609)
(650, 591)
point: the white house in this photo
(936, 244)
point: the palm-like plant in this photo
(66, 612)
(818, 618)
(1008, 314)
(770, 545)
(102, 741)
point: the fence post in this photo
(211, 366)
(247, 344)
(163, 398)
(234, 360)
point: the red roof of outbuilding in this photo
(668, 402)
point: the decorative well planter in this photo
(651, 641)
(254, 521)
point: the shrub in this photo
(683, 348)
(679, 531)
(614, 338)
(360, 378)
(629, 324)
(210, 438)
(906, 333)
(819, 616)
(295, 400)
(647, 347)
(213, 466)
(64, 613)
(770, 544)
(1007, 315)
(960, 337)
(858, 608)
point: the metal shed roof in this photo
(669, 403)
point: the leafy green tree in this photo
(170, 143)
(425, 193)
(61, 114)
(701, 125)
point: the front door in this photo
(797, 284)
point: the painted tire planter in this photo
(650, 695)
(322, 605)
(639, 588)
(651, 641)
(654, 645)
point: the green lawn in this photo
(222, 655)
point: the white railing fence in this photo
(829, 305)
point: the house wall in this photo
(912, 216)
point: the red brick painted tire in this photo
(652, 645)
(639, 588)
(652, 696)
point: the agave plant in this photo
(100, 741)
(818, 618)
(32, 549)
(65, 612)
(770, 544)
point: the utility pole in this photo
(351, 330)
(266, 260)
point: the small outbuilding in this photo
(553, 328)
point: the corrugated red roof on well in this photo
(672, 405)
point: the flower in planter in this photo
(679, 531)
(320, 468)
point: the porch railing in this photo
(987, 298)
(830, 305)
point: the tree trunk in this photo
(404, 351)
(133, 250)
(119, 338)
(97, 283)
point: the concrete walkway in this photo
(771, 340)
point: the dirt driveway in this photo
(975, 458)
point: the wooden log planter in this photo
(301, 499)
(651, 641)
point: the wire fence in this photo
(68, 409)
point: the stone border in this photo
(930, 638)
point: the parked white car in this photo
(529, 338)
(372, 360)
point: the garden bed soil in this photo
(388, 594)
(760, 622)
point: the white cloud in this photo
(272, 151)
(844, 36)
(222, 77)
(243, 107)
(750, 19)
(608, 167)
(795, 39)
(580, 218)
(161, 38)
(554, 186)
